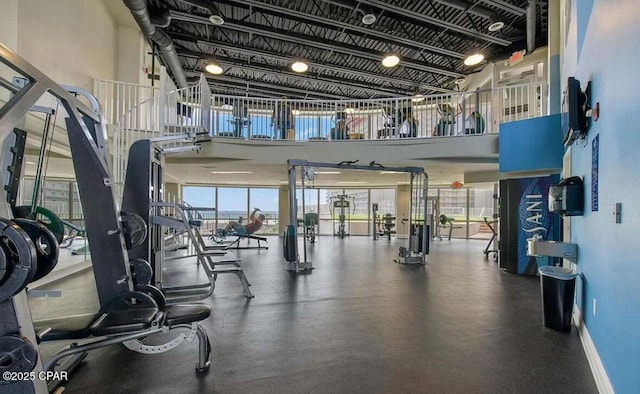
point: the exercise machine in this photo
(341, 207)
(128, 313)
(418, 243)
(494, 234)
(382, 224)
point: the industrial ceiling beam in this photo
(243, 81)
(303, 39)
(383, 5)
(306, 77)
(504, 6)
(318, 65)
(284, 12)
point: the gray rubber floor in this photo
(357, 323)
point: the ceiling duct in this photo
(140, 13)
(531, 26)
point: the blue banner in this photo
(534, 218)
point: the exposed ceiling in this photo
(260, 39)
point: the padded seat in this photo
(122, 322)
(186, 313)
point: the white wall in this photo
(71, 41)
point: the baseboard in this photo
(597, 369)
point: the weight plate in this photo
(141, 272)
(43, 215)
(3, 265)
(16, 355)
(46, 245)
(134, 228)
(21, 259)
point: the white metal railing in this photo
(452, 114)
(117, 97)
(176, 111)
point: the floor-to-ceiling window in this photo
(267, 201)
(232, 205)
(386, 200)
(202, 197)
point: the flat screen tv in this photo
(574, 119)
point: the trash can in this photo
(557, 285)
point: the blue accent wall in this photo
(531, 145)
(584, 14)
(609, 257)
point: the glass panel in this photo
(481, 206)
(358, 213)
(325, 214)
(232, 206)
(386, 200)
(56, 198)
(205, 197)
(267, 201)
(453, 203)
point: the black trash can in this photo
(557, 285)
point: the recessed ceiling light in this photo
(231, 172)
(214, 68)
(495, 26)
(460, 81)
(390, 60)
(328, 172)
(299, 67)
(474, 59)
(216, 20)
(368, 19)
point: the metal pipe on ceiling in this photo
(471, 8)
(531, 26)
(141, 15)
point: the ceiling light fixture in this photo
(389, 172)
(351, 183)
(214, 68)
(216, 20)
(231, 172)
(460, 81)
(418, 98)
(390, 60)
(299, 66)
(474, 59)
(495, 26)
(328, 172)
(368, 19)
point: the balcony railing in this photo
(455, 114)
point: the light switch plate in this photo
(617, 212)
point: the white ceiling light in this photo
(418, 98)
(368, 19)
(351, 183)
(214, 68)
(495, 26)
(390, 172)
(299, 67)
(231, 172)
(474, 59)
(460, 81)
(216, 20)
(328, 172)
(390, 60)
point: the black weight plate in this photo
(43, 215)
(17, 355)
(46, 245)
(21, 259)
(134, 228)
(141, 272)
